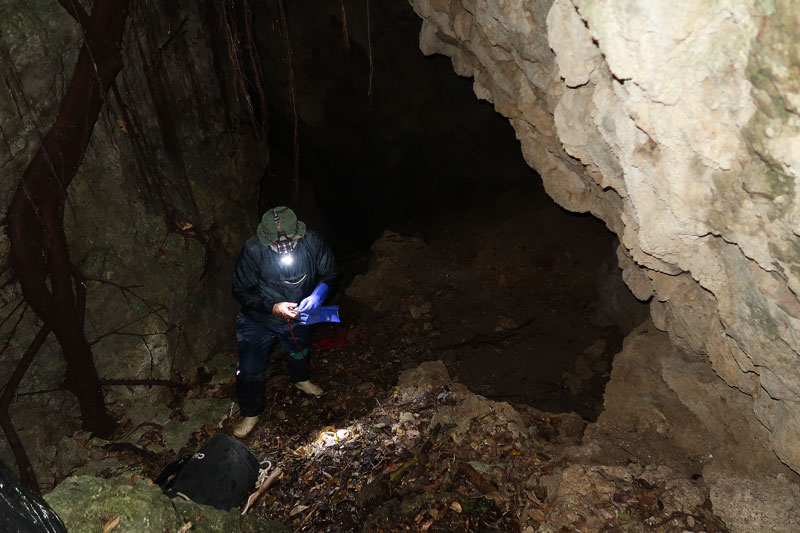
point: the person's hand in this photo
(314, 300)
(285, 310)
(309, 305)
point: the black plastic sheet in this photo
(22, 510)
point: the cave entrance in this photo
(522, 299)
(527, 303)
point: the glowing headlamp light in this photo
(283, 244)
(284, 247)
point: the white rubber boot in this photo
(244, 427)
(309, 388)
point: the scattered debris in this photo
(445, 459)
(425, 452)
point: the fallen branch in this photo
(485, 338)
(400, 472)
(264, 486)
(308, 516)
(127, 447)
(477, 479)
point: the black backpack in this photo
(221, 474)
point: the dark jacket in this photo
(260, 280)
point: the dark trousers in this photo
(254, 340)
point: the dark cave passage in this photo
(526, 303)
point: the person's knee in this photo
(245, 374)
(254, 355)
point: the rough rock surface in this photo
(655, 413)
(677, 125)
(741, 503)
(145, 221)
(700, 429)
(87, 503)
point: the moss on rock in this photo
(86, 503)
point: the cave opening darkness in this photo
(522, 299)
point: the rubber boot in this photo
(244, 427)
(309, 388)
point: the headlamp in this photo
(283, 244)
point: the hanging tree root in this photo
(39, 250)
(345, 37)
(26, 472)
(369, 49)
(289, 63)
(241, 82)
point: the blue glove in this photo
(313, 301)
(323, 314)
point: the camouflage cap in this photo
(279, 218)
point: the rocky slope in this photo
(426, 453)
(676, 125)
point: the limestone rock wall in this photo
(675, 123)
(164, 198)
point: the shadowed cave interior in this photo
(419, 155)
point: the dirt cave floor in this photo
(471, 355)
(521, 299)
